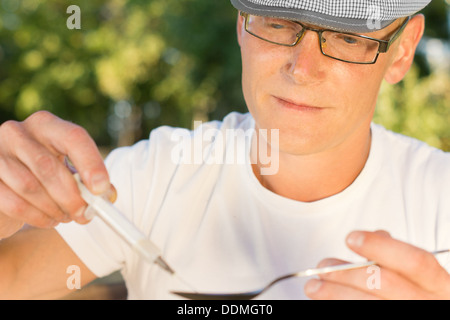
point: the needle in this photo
(123, 227)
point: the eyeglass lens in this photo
(342, 46)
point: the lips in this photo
(290, 104)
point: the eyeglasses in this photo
(346, 47)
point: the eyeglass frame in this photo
(383, 45)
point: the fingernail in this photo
(111, 194)
(89, 213)
(312, 286)
(80, 213)
(355, 239)
(100, 184)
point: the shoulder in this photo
(412, 158)
(167, 147)
(164, 138)
(407, 146)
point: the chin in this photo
(302, 142)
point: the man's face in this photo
(316, 102)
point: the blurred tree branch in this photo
(170, 61)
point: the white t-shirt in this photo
(221, 230)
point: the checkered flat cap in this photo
(345, 15)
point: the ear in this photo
(240, 27)
(405, 50)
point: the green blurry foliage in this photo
(418, 107)
(170, 61)
(139, 64)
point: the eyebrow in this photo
(366, 34)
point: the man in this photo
(311, 76)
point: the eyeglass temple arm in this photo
(385, 45)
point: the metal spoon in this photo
(248, 295)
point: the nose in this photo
(306, 64)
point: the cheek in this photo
(252, 73)
(253, 66)
(260, 70)
(358, 86)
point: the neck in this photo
(313, 177)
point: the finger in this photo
(383, 233)
(374, 280)
(74, 142)
(327, 290)
(17, 209)
(44, 161)
(415, 264)
(24, 183)
(110, 195)
(52, 175)
(9, 226)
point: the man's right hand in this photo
(36, 186)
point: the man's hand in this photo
(405, 272)
(36, 187)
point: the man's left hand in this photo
(404, 272)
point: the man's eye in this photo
(349, 39)
(277, 26)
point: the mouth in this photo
(293, 105)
